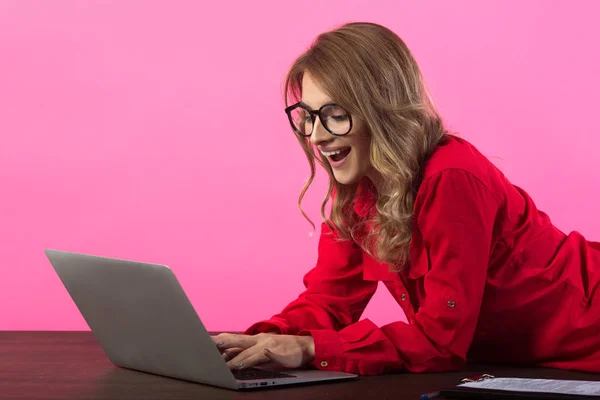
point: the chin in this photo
(346, 178)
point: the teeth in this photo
(331, 153)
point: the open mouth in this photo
(338, 155)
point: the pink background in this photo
(154, 130)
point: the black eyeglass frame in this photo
(313, 115)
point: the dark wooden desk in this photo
(71, 365)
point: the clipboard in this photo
(489, 387)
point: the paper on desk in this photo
(582, 388)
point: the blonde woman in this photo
(478, 270)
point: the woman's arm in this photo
(336, 293)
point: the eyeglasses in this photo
(334, 118)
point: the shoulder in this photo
(457, 162)
(457, 153)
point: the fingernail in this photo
(220, 343)
(239, 366)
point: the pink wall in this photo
(154, 130)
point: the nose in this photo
(319, 134)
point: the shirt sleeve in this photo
(336, 293)
(454, 219)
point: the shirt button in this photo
(402, 296)
(324, 363)
(451, 303)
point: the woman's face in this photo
(348, 155)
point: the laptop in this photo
(144, 321)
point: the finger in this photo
(250, 359)
(228, 341)
(273, 366)
(284, 360)
(217, 339)
(221, 337)
(231, 353)
(238, 360)
(274, 357)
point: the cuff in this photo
(328, 349)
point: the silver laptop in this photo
(144, 321)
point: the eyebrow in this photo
(326, 103)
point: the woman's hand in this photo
(243, 351)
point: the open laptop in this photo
(144, 321)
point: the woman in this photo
(479, 271)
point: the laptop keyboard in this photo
(248, 374)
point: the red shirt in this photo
(490, 279)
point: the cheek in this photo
(362, 154)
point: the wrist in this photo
(309, 348)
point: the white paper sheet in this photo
(583, 388)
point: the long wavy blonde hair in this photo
(368, 70)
